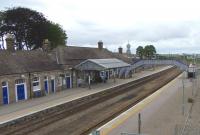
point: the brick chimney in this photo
(46, 45)
(120, 49)
(100, 45)
(10, 43)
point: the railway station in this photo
(67, 82)
(99, 67)
(26, 75)
(19, 110)
(100, 84)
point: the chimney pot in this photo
(100, 45)
(10, 42)
(45, 45)
(120, 49)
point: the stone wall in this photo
(28, 77)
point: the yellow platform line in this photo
(105, 129)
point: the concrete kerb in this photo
(105, 129)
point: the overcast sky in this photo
(173, 26)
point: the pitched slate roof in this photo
(60, 58)
(26, 61)
(72, 55)
(110, 63)
(101, 64)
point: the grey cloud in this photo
(33, 4)
(166, 37)
(174, 36)
(92, 33)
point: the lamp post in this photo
(183, 97)
(139, 123)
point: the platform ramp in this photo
(183, 66)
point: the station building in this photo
(30, 74)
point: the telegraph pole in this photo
(139, 123)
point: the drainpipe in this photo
(29, 79)
(57, 59)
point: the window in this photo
(67, 74)
(36, 83)
(102, 73)
(59, 81)
(117, 71)
(45, 78)
(19, 81)
(111, 72)
(36, 79)
(4, 84)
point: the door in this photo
(107, 75)
(5, 95)
(68, 82)
(20, 92)
(46, 86)
(52, 85)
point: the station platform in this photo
(20, 109)
(161, 112)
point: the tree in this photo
(56, 35)
(152, 50)
(30, 28)
(140, 51)
(149, 51)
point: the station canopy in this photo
(101, 64)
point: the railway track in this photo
(89, 112)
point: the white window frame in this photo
(38, 87)
(102, 73)
(25, 88)
(7, 90)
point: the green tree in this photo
(30, 28)
(56, 35)
(149, 51)
(152, 51)
(140, 51)
(19, 22)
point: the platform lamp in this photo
(183, 96)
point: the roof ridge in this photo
(82, 47)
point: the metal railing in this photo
(180, 64)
